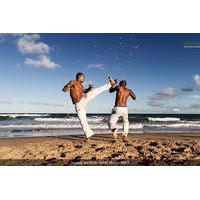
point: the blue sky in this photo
(162, 69)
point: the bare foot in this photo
(125, 138)
(125, 135)
(88, 140)
(115, 133)
(112, 82)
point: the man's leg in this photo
(112, 123)
(126, 122)
(83, 120)
(92, 94)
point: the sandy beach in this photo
(138, 149)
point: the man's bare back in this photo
(122, 94)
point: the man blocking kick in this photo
(120, 109)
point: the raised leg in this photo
(92, 94)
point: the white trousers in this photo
(116, 113)
(80, 107)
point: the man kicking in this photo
(120, 109)
(80, 97)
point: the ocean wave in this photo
(71, 119)
(176, 125)
(63, 126)
(38, 126)
(136, 126)
(164, 119)
(53, 119)
(23, 115)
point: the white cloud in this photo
(195, 96)
(157, 99)
(2, 37)
(41, 62)
(196, 79)
(164, 94)
(5, 102)
(176, 109)
(187, 89)
(195, 106)
(28, 44)
(155, 104)
(46, 104)
(53, 104)
(168, 92)
(97, 66)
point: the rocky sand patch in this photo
(137, 149)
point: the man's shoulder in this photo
(117, 88)
(72, 81)
(129, 90)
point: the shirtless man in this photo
(81, 96)
(120, 109)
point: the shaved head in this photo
(122, 83)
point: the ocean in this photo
(52, 124)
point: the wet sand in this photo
(138, 149)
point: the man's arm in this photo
(132, 94)
(68, 86)
(88, 89)
(113, 89)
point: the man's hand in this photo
(89, 88)
(113, 89)
(132, 94)
(67, 86)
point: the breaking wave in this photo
(71, 119)
(62, 126)
(164, 119)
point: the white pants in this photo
(80, 107)
(116, 113)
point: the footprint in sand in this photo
(77, 159)
(78, 146)
(93, 158)
(99, 149)
(93, 145)
(51, 159)
(62, 155)
(138, 148)
(61, 146)
(128, 145)
(115, 155)
(153, 144)
(180, 150)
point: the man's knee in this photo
(126, 122)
